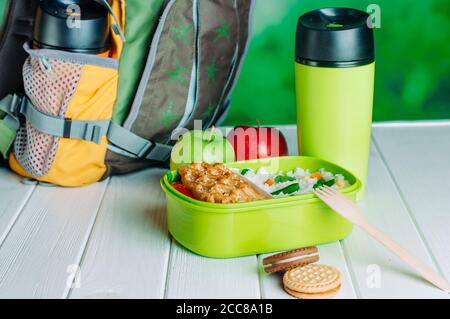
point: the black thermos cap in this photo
(52, 30)
(335, 37)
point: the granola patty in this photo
(215, 183)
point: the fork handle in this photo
(425, 271)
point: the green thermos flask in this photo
(335, 70)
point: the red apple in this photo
(257, 142)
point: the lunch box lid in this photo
(286, 163)
(335, 37)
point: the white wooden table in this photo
(112, 236)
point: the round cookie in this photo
(312, 281)
(325, 295)
(291, 259)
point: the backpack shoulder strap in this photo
(137, 146)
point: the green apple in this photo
(201, 146)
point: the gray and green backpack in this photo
(81, 118)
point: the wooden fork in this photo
(346, 208)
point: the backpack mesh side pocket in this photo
(50, 85)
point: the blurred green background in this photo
(2, 8)
(413, 61)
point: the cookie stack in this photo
(303, 278)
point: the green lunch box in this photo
(233, 230)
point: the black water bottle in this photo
(80, 26)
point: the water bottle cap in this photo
(335, 37)
(86, 31)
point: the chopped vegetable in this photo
(183, 190)
(317, 176)
(322, 183)
(173, 178)
(288, 190)
(340, 184)
(245, 171)
(269, 182)
(283, 178)
(330, 183)
(169, 176)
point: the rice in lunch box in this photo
(306, 181)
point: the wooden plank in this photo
(47, 241)
(420, 123)
(369, 260)
(330, 254)
(129, 247)
(419, 165)
(191, 276)
(13, 197)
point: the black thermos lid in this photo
(335, 37)
(53, 30)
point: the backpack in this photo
(16, 28)
(86, 117)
